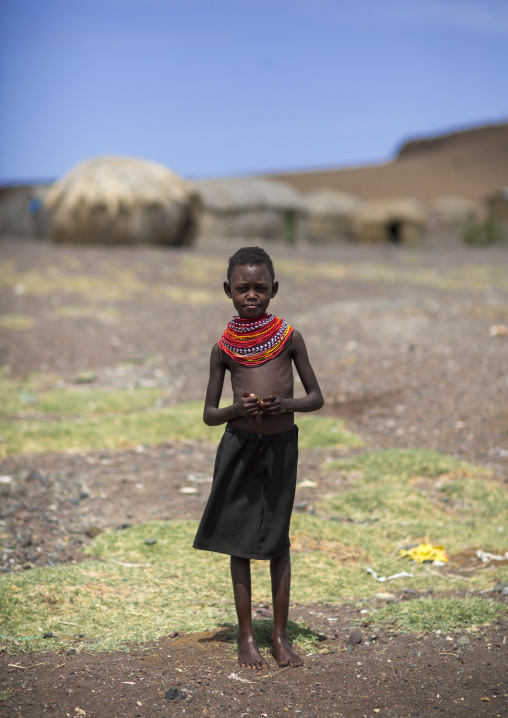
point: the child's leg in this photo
(280, 569)
(248, 653)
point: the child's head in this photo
(251, 282)
(251, 256)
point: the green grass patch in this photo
(325, 432)
(483, 233)
(401, 465)
(16, 321)
(31, 397)
(432, 614)
(137, 592)
(50, 419)
(116, 286)
(400, 498)
(134, 591)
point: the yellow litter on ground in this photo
(425, 552)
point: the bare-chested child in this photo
(248, 513)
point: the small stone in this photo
(26, 541)
(463, 641)
(49, 634)
(301, 505)
(354, 638)
(173, 634)
(150, 541)
(173, 693)
(500, 586)
(85, 377)
(93, 531)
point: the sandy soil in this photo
(403, 349)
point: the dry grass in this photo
(16, 321)
(52, 419)
(438, 614)
(134, 591)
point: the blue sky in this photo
(227, 87)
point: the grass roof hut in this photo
(398, 221)
(330, 214)
(451, 212)
(119, 200)
(250, 208)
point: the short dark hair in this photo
(252, 256)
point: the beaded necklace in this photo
(255, 341)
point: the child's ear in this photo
(227, 289)
(275, 289)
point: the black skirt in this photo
(253, 490)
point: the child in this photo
(248, 513)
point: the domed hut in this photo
(451, 212)
(330, 214)
(120, 200)
(398, 221)
(250, 208)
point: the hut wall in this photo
(22, 212)
(157, 224)
(325, 229)
(264, 223)
(497, 208)
(396, 231)
(389, 221)
(451, 213)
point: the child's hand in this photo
(272, 405)
(249, 404)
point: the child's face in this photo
(250, 289)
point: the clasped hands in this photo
(271, 405)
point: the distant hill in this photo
(470, 163)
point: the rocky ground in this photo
(405, 345)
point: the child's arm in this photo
(274, 404)
(247, 405)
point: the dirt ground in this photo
(405, 351)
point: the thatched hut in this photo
(497, 206)
(399, 221)
(119, 200)
(250, 208)
(330, 214)
(451, 212)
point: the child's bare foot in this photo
(284, 655)
(248, 654)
